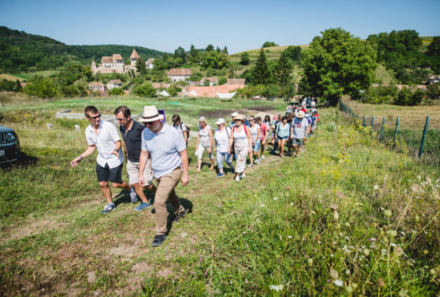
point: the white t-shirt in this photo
(181, 128)
(254, 133)
(222, 139)
(240, 138)
(299, 127)
(164, 148)
(105, 142)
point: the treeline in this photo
(402, 52)
(21, 51)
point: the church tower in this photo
(134, 57)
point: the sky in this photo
(240, 25)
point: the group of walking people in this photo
(248, 138)
(154, 150)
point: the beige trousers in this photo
(165, 191)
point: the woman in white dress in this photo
(221, 142)
(241, 138)
(204, 142)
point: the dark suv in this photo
(9, 145)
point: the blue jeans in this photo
(220, 157)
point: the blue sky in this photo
(239, 25)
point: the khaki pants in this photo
(165, 191)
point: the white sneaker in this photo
(262, 157)
(258, 161)
(237, 178)
(243, 175)
(250, 165)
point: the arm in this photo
(185, 135)
(215, 144)
(210, 140)
(185, 176)
(90, 149)
(126, 152)
(291, 132)
(248, 133)
(258, 134)
(198, 139)
(118, 145)
(231, 140)
(142, 163)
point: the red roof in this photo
(236, 81)
(180, 72)
(96, 84)
(115, 81)
(210, 79)
(107, 60)
(150, 61)
(117, 57)
(160, 85)
(134, 55)
(211, 92)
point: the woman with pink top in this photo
(241, 137)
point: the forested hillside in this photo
(20, 51)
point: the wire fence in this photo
(419, 142)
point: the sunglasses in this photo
(94, 118)
(119, 120)
(148, 123)
(237, 120)
(251, 120)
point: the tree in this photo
(282, 71)
(209, 48)
(337, 64)
(231, 73)
(193, 52)
(225, 50)
(433, 91)
(269, 44)
(261, 74)
(271, 91)
(222, 80)
(434, 47)
(141, 67)
(245, 59)
(293, 52)
(116, 91)
(43, 87)
(145, 90)
(180, 53)
(172, 91)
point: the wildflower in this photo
(184, 235)
(347, 271)
(349, 289)
(310, 261)
(333, 273)
(331, 255)
(276, 287)
(338, 283)
(336, 215)
(392, 233)
(275, 198)
(425, 252)
(432, 271)
(376, 187)
(387, 213)
(262, 205)
(289, 237)
(366, 252)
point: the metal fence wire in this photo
(421, 142)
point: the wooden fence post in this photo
(423, 137)
(381, 130)
(395, 132)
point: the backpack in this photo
(188, 130)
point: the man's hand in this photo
(75, 162)
(185, 179)
(141, 181)
(116, 153)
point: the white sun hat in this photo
(220, 121)
(150, 114)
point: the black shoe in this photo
(179, 216)
(158, 240)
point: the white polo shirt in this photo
(105, 142)
(164, 148)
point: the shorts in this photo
(256, 146)
(281, 138)
(133, 173)
(113, 175)
(297, 141)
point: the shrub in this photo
(116, 91)
(144, 90)
(407, 97)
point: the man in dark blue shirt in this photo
(131, 132)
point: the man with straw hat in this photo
(170, 165)
(298, 131)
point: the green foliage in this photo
(434, 47)
(271, 91)
(269, 44)
(222, 80)
(116, 92)
(231, 73)
(282, 71)
(196, 76)
(10, 86)
(213, 59)
(336, 64)
(144, 90)
(172, 91)
(209, 48)
(245, 58)
(141, 67)
(408, 97)
(433, 91)
(293, 52)
(380, 94)
(43, 87)
(260, 73)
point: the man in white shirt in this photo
(103, 136)
(170, 165)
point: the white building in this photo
(116, 83)
(150, 63)
(179, 74)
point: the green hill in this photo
(21, 51)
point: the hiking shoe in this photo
(237, 178)
(242, 175)
(258, 161)
(133, 196)
(158, 240)
(220, 174)
(108, 208)
(262, 157)
(250, 165)
(143, 206)
(232, 170)
(179, 216)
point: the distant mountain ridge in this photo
(20, 50)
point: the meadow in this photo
(347, 218)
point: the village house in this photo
(97, 87)
(115, 83)
(115, 64)
(179, 74)
(433, 79)
(236, 81)
(150, 63)
(161, 86)
(212, 81)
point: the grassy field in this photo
(348, 218)
(10, 77)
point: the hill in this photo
(21, 51)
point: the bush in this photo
(116, 91)
(144, 90)
(407, 97)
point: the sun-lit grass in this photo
(348, 212)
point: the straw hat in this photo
(238, 117)
(150, 114)
(234, 114)
(300, 114)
